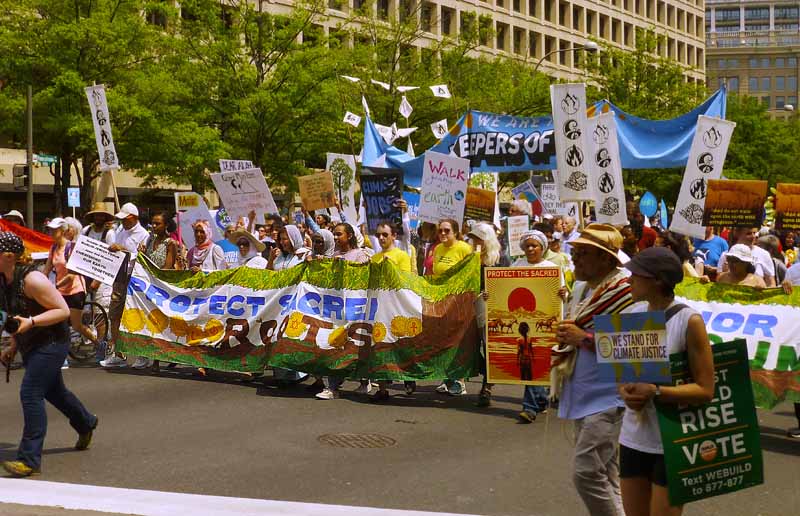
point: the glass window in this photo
(779, 83)
(793, 101)
(779, 62)
(752, 84)
(764, 62)
(721, 63)
(753, 62)
(791, 83)
(765, 84)
(756, 13)
(786, 12)
(733, 63)
(733, 84)
(765, 101)
(792, 62)
(779, 102)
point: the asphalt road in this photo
(220, 436)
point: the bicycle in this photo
(95, 318)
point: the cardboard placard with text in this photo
(787, 206)
(480, 204)
(734, 203)
(316, 191)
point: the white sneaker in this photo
(327, 394)
(65, 365)
(142, 363)
(365, 388)
(459, 389)
(114, 361)
(442, 389)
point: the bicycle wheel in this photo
(95, 319)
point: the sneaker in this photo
(379, 396)
(327, 394)
(794, 433)
(65, 365)
(442, 389)
(484, 398)
(365, 388)
(526, 417)
(84, 440)
(459, 388)
(18, 468)
(142, 363)
(410, 386)
(114, 361)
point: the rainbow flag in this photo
(34, 241)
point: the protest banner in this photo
(197, 210)
(381, 192)
(527, 192)
(734, 203)
(412, 202)
(522, 313)
(232, 165)
(316, 191)
(487, 181)
(98, 106)
(572, 141)
(324, 317)
(243, 191)
(715, 448)
(517, 225)
(768, 320)
(551, 202)
(92, 258)
(706, 157)
(34, 241)
(343, 173)
(480, 205)
(632, 347)
(186, 200)
(444, 188)
(787, 206)
(610, 206)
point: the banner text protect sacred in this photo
(524, 273)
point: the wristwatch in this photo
(658, 392)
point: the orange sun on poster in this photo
(521, 298)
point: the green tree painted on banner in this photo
(343, 177)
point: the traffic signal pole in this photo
(29, 194)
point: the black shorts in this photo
(634, 463)
(75, 300)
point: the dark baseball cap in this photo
(660, 263)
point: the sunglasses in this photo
(243, 243)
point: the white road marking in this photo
(158, 503)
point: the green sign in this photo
(45, 159)
(715, 448)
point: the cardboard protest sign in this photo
(343, 172)
(243, 191)
(92, 258)
(382, 190)
(480, 204)
(787, 206)
(186, 200)
(316, 191)
(734, 203)
(198, 210)
(444, 187)
(551, 202)
(609, 191)
(522, 313)
(412, 203)
(632, 347)
(572, 142)
(517, 225)
(102, 127)
(706, 157)
(231, 165)
(715, 448)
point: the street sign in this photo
(45, 159)
(74, 197)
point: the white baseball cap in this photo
(127, 210)
(14, 213)
(56, 223)
(741, 252)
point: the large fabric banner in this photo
(98, 105)
(768, 320)
(609, 190)
(326, 317)
(576, 172)
(34, 241)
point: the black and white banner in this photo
(609, 190)
(706, 157)
(102, 127)
(573, 144)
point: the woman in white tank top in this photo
(654, 274)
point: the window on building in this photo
(426, 16)
(779, 62)
(519, 37)
(791, 83)
(792, 99)
(533, 8)
(753, 62)
(359, 4)
(764, 62)
(780, 102)
(792, 62)
(500, 3)
(155, 15)
(447, 20)
(786, 26)
(733, 84)
(752, 84)
(765, 101)
(779, 83)
(733, 63)
(721, 63)
(335, 4)
(728, 14)
(502, 34)
(786, 12)
(756, 13)
(517, 5)
(765, 84)
(407, 8)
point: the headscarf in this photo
(11, 243)
(251, 253)
(536, 235)
(357, 233)
(327, 238)
(295, 237)
(199, 252)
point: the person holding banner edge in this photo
(654, 274)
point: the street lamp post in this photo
(589, 46)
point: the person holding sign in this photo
(654, 273)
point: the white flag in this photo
(387, 133)
(706, 157)
(383, 85)
(405, 108)
(572, 142)
(352, 119)
(403, 89)
(402, 133)
(102, 127)
(360, 155)
(410, 149)
(351, 79)
(439, 128)
(441, 90)
(604, 157)
(365, 105)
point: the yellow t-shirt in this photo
(446, 257)
(398, 257)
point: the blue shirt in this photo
(710, 250)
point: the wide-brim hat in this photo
(236, 235)
(99, 207)
(741, 252)
(601, 236)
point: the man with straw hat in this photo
(99, 228)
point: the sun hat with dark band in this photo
(660, 263)
(253, 241)
(602, 236)
(11, 243)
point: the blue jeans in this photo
(535, 398)
(43, 381)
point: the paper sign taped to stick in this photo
(316, 191)
(517, 225)
(787, 206)
(632, 347)
(92, 258)
(194, 211)
(186, 200)
(735, 203)
(444, 187)
(243, 191)
(230, 165)
(576, 182)
(102, 127)
(552, 203)
(343, 172)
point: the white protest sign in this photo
(552, 202)
(444, 187)
(343, 172)
(193, 211)
(352, 119)
(231, 165)
(572, 142)
(517, 225)
(706, 157)
(440, 90)
(609, 190)
(92, 258)
(102, 127)
(439, 128)
(244, 191)
(405, 107)
(403, 89)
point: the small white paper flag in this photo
(410, 149)
(441, 90)
(386, 133)
(352, 119)
(351, 79)
(439, 128)
(402, 133)
(364, 105)
(405, 108)
(403, 89)
(383, 85)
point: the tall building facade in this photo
(753, 47)
(531, 29)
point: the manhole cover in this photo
(357, 440)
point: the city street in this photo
(183, 434)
